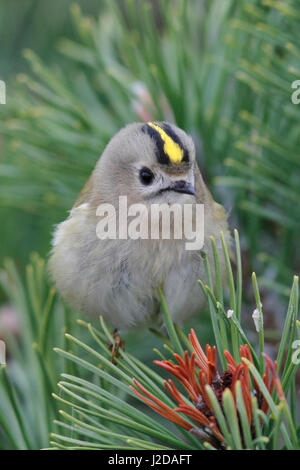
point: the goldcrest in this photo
(151, 164)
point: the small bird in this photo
(149, 163)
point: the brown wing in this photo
(84, 193)
(203, 194)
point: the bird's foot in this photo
(115, 347)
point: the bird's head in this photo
(149, 163)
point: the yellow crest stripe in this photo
(171, 148)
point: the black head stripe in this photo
(161, 156)
(168, 130)
(160, 153)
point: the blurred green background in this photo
(220, 69)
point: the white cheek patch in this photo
(63, 228)
(77, 210)
(58, 234)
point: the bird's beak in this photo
(183, 187)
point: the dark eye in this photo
(146, 176)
